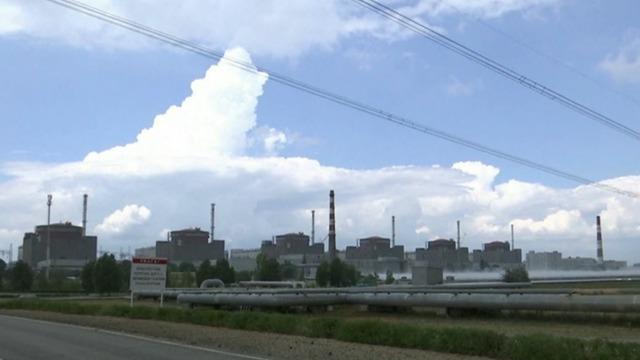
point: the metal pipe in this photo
(461, 300)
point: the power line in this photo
(339, 99)
(552, 59)
(494, 66)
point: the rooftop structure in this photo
(497, 254)
(444, 254)
(190, 245)
(375, 254)
(293, 247)
(58, 243)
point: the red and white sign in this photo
(148, 274)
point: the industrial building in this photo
(543, 260)
(244, 259)
(190, 245)
(496, 254)
(444, 254)
(295, 248)
(376, 254)
(60, 246)
(145, 252)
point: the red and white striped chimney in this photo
(332, 226)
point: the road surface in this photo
(22, 338)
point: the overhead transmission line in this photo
(551, 58)
(495, 66)
(338, 99)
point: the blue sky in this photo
(64, 95)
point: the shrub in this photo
(519, 274)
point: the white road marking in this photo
(139, 337)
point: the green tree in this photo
(222, 270)
(288, 271)
(389, 279)
(124, 267)
(3, 271)
(267, 269)
(322, 274)
(518, 274)
(244, 275)
(86, 277)
(336, 273)
(203, 272)
(186, 267)
(21, 277)
(106, 275)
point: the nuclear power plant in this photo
(61, 247)
(66, 247)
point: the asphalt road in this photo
(34, 339)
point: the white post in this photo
(161, 298)
(131, 299)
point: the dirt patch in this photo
(268, 345)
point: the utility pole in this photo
(49, 200)
(513, 243)
(213, 220)
(393, 231)
(458, 224)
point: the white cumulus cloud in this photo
(196, 153)
(624, 65)
(279, 28)
(122, 219)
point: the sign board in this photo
(148, 274)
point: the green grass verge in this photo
(451, 340)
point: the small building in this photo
(145, 252)
(243, 259)
(190, 245)
(60, 246)
(424, 274)
(294, 248)
(443, 253)
(375, 254)
(497, 254)
(543, 260)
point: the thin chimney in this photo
(332, 226)
(513, 244)
(213, 221)
(599, 240)
(313, 227)
(393, 231)
(458, 238)
(84, 214)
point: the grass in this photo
(479, 342)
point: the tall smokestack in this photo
(599, 239)
(84, 214)
(393, 231)
(458, 238)
(213, 221)
(313, 227)
(332, 225)
(513, 244)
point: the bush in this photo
(106, 274)
(519, 274)
(21, 276)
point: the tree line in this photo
(107, 275)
